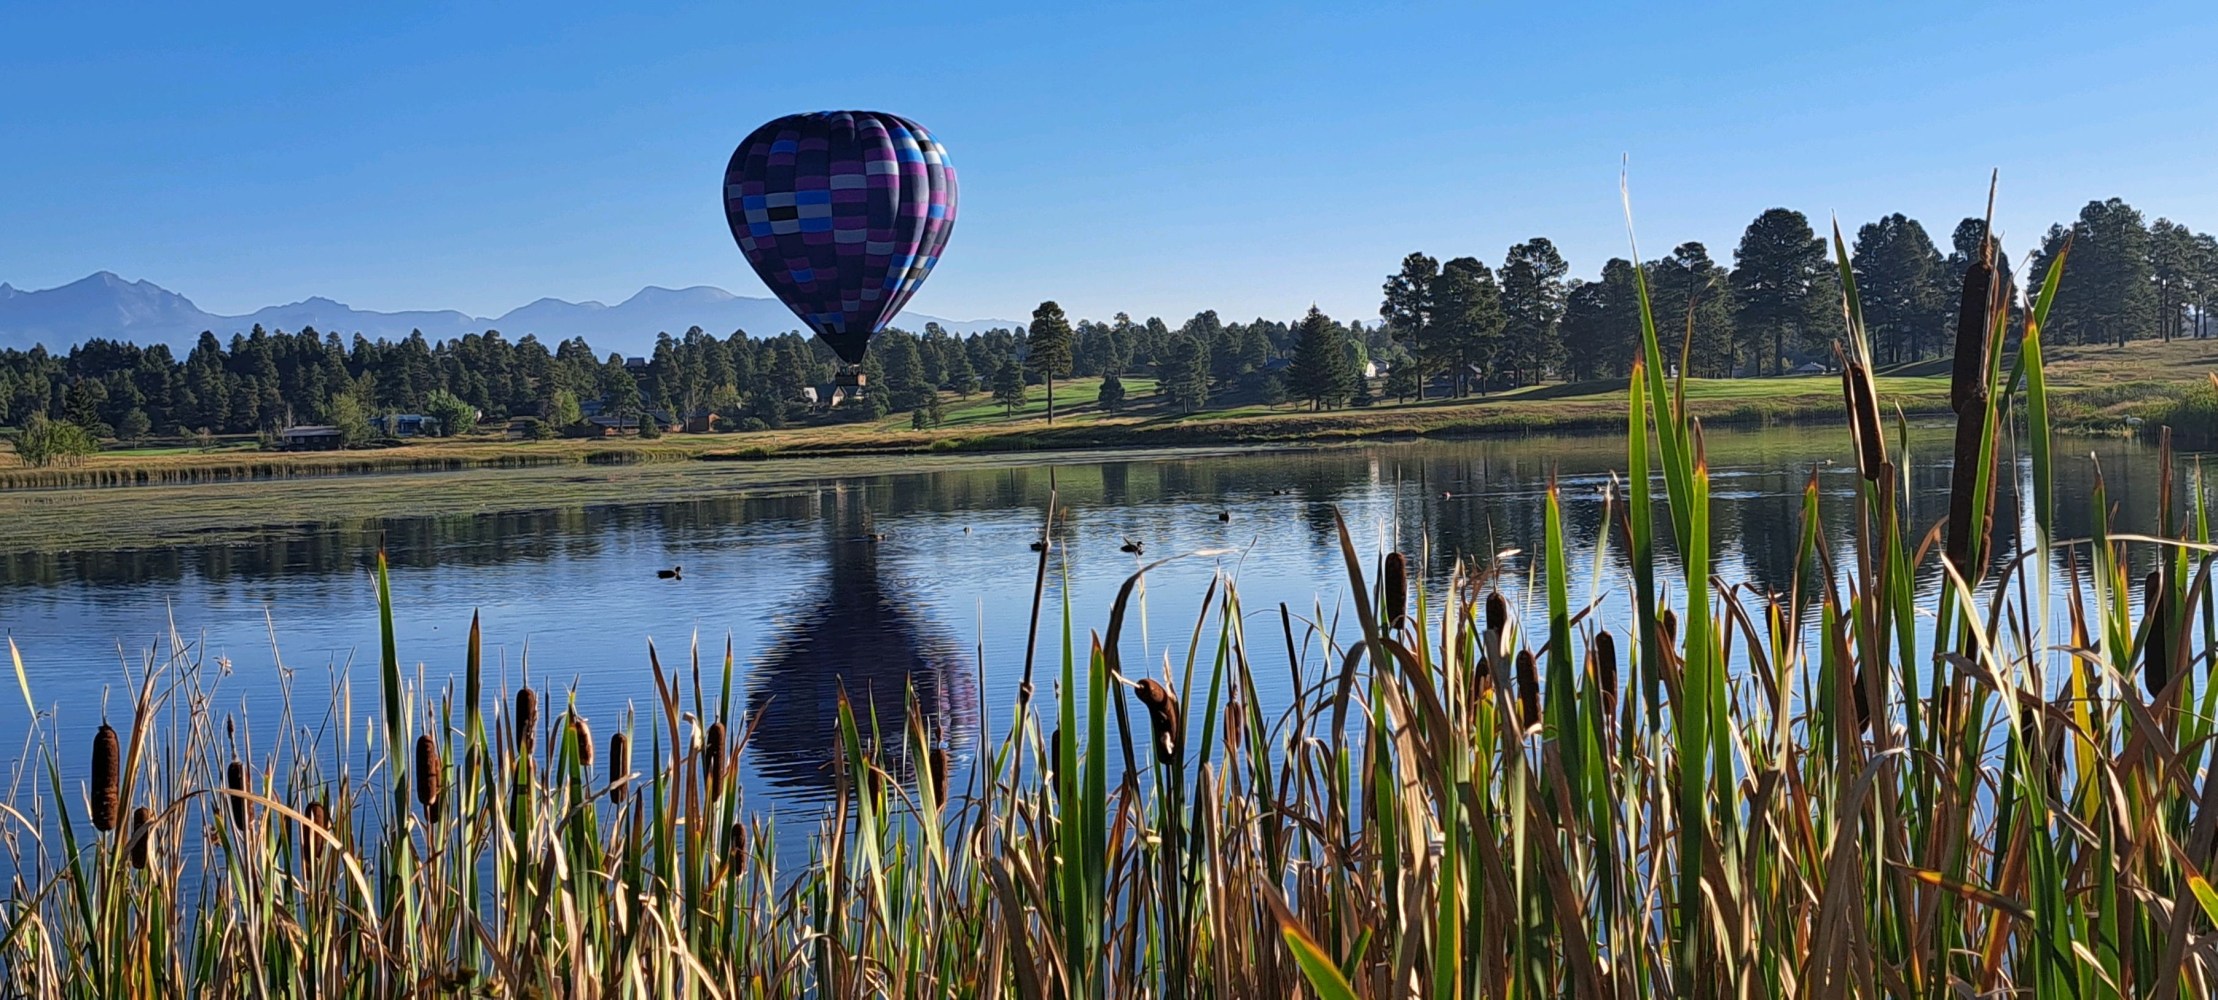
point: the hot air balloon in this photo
(843, 214)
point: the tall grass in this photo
(1799, 794)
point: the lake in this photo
(884, 574)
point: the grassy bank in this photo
(1849, 789)
(2095, 389)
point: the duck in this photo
(1131, 546)
(1224, 516)
(1039, 545)
(673, 573)
(877, 536)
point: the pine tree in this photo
(1047, 344)
(1783, 287)
(1111, 396)
(1532, 310)
(1692, 300)
(1183, 377)
(1408, 311)
(1467, 321)
(1008, 386)
(1899, 279)
(1321, 372)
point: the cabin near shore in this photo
(310, 437)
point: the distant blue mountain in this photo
(104, 305)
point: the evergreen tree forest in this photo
(1456, 327)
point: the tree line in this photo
(1452, 327)
(1471, 327)
(263, 381)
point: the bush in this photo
(454, 416)
(47, 442)
(750, 425)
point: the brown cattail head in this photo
(1396, 585)
(619, 764)
(107, 777)
(1528, 688)
(1871, 448)
(1167, 718)
(1670, 622)
(527, 719)
(712, 757)
(2156, 650)
(1497, 613)
(1968, 388)
(583, 734)
(1605, 669)
(1235, 715)
(235, 778)
(429, 772)
(311, 844)
(735, 847)
(141, 833)
(936, 763)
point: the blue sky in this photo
(1152, 158)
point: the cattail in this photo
(1235, 714)
(2156, 653)
(1528, 688)
(429, 771)
(235, 777)
(583, 734)
(1871, 450)
(936, 764)
(619, 764)
(142, 823)
(1396, 585)
(735, 847)
(1968, 388)
(107, 775)
(1670, 622)
(1497, 613)
(712, 757)
(1167, 718)
(1605, 670)
(527, 719)
(311, 845)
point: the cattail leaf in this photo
(22, 679)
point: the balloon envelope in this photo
(842, 213)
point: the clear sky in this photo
(1151, 158)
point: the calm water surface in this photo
(790, 572)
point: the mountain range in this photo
(107, 306)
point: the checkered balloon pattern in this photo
(842, 213)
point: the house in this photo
(702, 422)
(310, 437)
(403, 425)
(1813, 368)
(607, 425)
